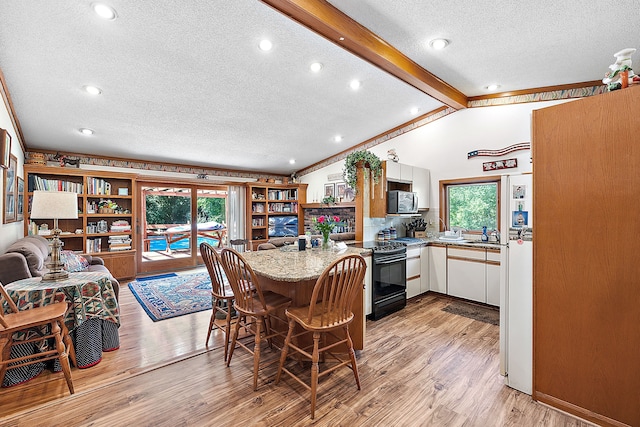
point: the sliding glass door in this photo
(174, 219)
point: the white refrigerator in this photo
(516, 282)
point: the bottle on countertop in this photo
(393, 234)
(485, 236)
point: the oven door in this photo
(389, 276)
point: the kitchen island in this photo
(293, 273)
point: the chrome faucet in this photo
(444, 224)
(496, 233)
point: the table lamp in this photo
(56, 205)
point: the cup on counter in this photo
(302, 242)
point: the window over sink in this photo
(470, 203)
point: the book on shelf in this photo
(37, 183)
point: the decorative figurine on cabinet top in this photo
(621, 74)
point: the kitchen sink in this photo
(456, 239)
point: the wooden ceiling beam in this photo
(329, 22)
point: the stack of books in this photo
(120, 226)
(94, 245)
(119, 243)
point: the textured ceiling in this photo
(184, 82)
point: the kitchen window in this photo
(470, 203)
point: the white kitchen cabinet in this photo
(493, 277)
(466, 275)
(493, 284)
(437, 268)
(424, 269)
(421, 186)
(399, 172)
(367, 287)
(413, 271)
(466, 279)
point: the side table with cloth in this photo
(93, 319)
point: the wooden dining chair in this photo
(48, 316)
(330, 310)
(256, 308)
(221, 294)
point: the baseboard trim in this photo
(576, 411)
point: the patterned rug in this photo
(473, 311)
(172, 296)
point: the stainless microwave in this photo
(402, 202)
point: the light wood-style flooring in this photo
(420, 367)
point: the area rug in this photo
(473, 311)
(166, 297)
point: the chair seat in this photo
(33, 317)
(272, 301)
(301, 315)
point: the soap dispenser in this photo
(485, 237)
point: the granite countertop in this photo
(434, 241)
(287, 264)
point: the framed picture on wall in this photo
(5, 148)
(329, 190)
(344, 193)
(9, 213)
(20, 199)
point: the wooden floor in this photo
(420, 367)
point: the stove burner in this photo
(383, 246)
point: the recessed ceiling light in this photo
(104, 11)
(337, 138)
(266, 45)
(292, 161)
(315, 67)
(86, 131)
(355, 84)
(492, 87)
(414, 111)
(341, 38)
(93, 90)
(439, 44)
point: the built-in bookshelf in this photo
(106, 205)
(266, 203)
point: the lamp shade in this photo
(54, 204)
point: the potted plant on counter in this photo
(366, 159)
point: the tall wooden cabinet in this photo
(270, 202)
(586, 291)
(102, 229)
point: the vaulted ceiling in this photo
(185, 82)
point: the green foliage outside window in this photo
(177, 210)
(472, 206)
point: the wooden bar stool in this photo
(221, 294)
(329, 311)
(255, 308)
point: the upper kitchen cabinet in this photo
(399, 172)
(409, 178)
(421, 185)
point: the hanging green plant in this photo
(368, 159)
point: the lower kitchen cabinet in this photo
(474, 274)
(424, 269)
(493, 277)
(367, 287)
(437, 260)
(467, 279)
(413, 272)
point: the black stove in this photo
(388, 277)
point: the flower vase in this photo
(325, 241)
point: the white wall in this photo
(11, 232)
(442, 147)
